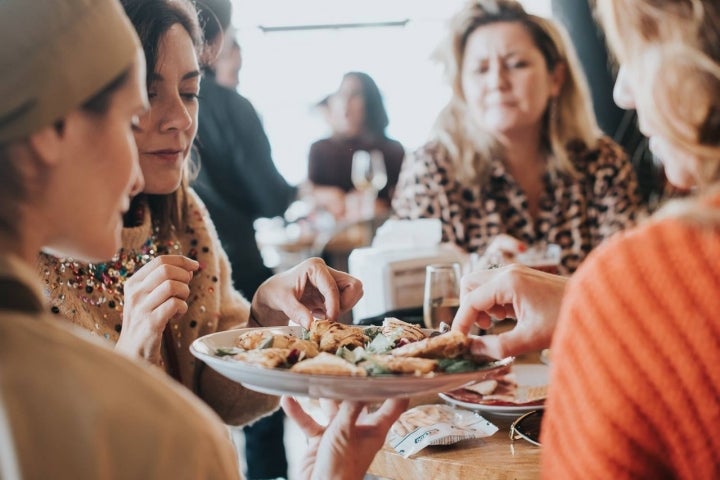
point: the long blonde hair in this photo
(685, 99)
(568, 117)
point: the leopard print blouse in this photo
(576, 213)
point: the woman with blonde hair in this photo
(635, 384)
(516, 157)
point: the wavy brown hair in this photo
(152, 19)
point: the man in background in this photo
(239, 183)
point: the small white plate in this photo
(528, 375)
(277, 381)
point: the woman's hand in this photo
(501, 251)
(153, 295)
(516, 291)
(347, 446)
(308, 289)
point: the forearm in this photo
(235, 404)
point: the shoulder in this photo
(433, 157)
(604, 154)
(393, 145)
(32, 344)
(322, 144)
(649, 258)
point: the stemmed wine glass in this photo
(369, 177)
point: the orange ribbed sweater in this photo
(635, 386)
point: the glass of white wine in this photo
(442, 294)
(368, 176)
(361, 174)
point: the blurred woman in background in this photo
(358, 119)
(516, 158)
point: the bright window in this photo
(286, 71)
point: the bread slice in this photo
(330, 336)
(266, 357)
(328, 364)
(452, 344)
(415, 366)
(395, 328)
(263, 339)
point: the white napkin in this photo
(423, 232)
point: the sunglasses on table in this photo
(527, 427)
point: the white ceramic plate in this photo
(530, 375)
(277, 381)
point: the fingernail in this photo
(522, 247)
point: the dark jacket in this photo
(238, 180)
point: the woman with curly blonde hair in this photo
(635, 383)
(516, 158)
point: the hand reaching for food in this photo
(156, 293)
(309, 289)
(531, 296)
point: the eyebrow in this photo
(187, 76)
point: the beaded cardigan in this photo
(91, 296)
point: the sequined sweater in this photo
(91, 296)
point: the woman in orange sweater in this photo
(635, 380)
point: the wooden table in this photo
(492, 458)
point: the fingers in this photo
(389, 411)
(350, 288)
(349, 412)
(320, 277)
(494, 296)
(506, 244)
(179, 261)
(487, 346)
(306, 423)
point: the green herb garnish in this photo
(226, 352)
(456, 365)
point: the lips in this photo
(168, 155)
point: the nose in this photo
(175, 115)
(496, 76)
(137, 179)
(623, 92)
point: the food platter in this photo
(528, 375)
(279, 381)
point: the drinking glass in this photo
(442, 294)
(379, 174)
(369, 176)
(543, 257)
(361, 173)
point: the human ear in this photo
(557, 78)
(47, 143)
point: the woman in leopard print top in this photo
(517, 151)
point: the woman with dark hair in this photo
(171, 281)
(358, 118)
